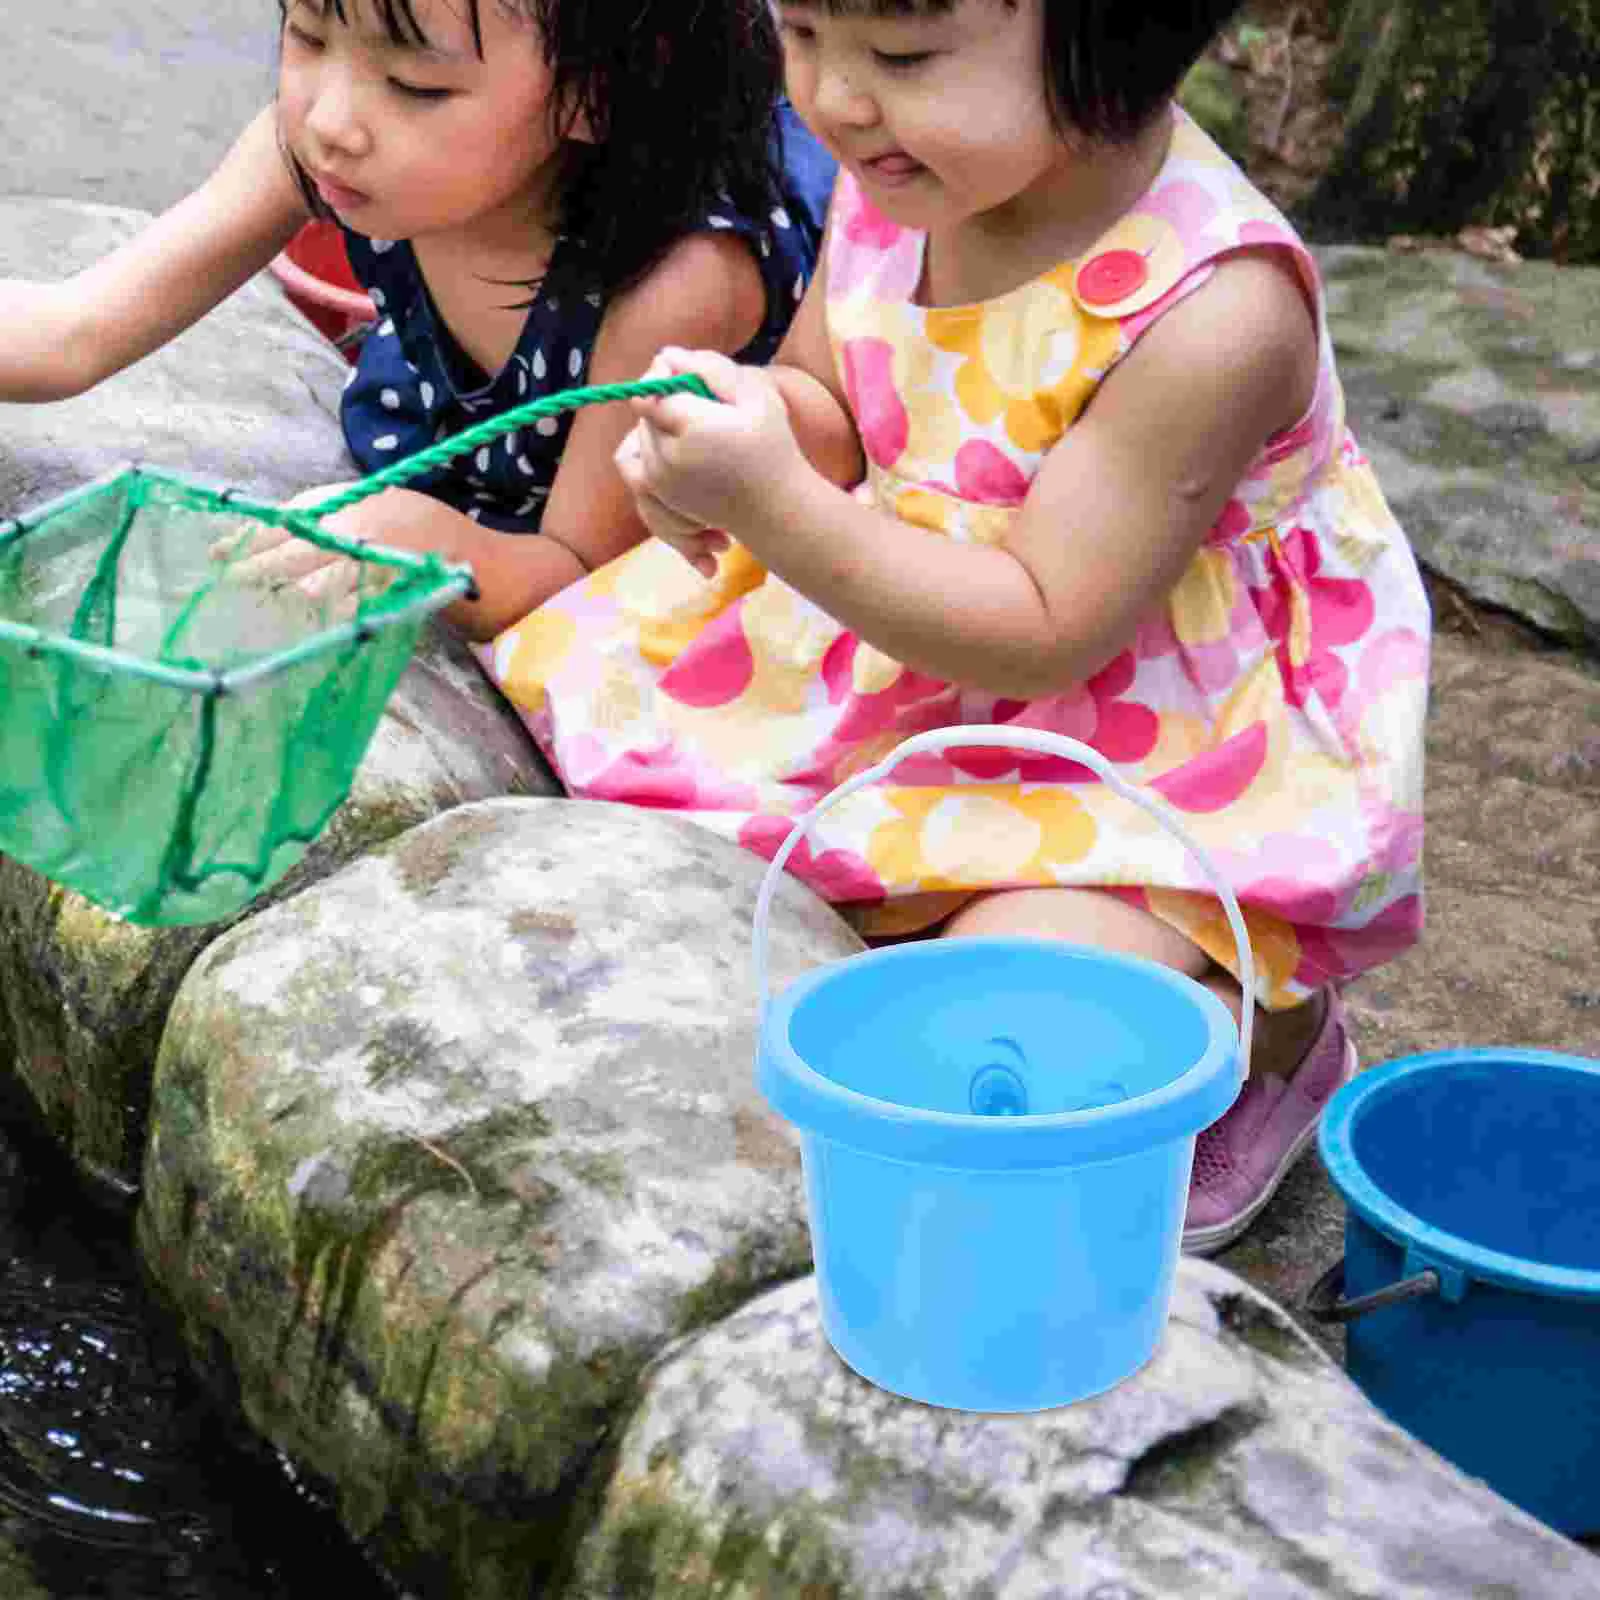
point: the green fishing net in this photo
(173, 735)
(174, 731)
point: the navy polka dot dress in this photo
(413, 385)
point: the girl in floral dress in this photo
(1056, 441)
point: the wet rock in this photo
(132, 102)
(1239, 1464)
(448, 1146)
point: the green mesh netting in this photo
(174, 733)
(171, 736)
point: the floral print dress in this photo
(1276, 699)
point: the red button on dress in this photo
(1111, 277)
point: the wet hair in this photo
(681, 97)
(1109, 65)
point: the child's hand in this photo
(275, 558)
(695, 465)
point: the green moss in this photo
(755, 1264)
(1253, 1324)
(427, 859)
(651, 1546)
(400, 1047)
(1211, 95)
(604, 1173)
(337, 1242)
(17, 1577)
(1184, 1465)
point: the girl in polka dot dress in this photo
(535, 194)
(1056, 441)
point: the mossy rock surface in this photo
(450, 1145)
(1238, 1464)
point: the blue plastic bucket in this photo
(997, 1136)
(1471, 1274)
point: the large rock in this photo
(1239, 1465)
(1476, 390)
(247, 397)
(131, 102)
(448, 1146)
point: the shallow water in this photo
(119, 1478)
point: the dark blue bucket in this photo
(1471, 1276)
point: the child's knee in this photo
(1086, 916)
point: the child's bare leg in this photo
(1086, 916)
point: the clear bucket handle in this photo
(1035, 739)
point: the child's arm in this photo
(807, 377)
(707, 289)
(57, 340)
(1116, 513)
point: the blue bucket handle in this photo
(1325, 1300)
(1043, 743)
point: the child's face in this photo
(940, 116)
(406, 140)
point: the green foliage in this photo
(1464, 112)
(1211, 95)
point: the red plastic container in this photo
(315, 273)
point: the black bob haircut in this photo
(681, 96)
(1109, 65)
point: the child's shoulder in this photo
(1200, 213)
(706, 291)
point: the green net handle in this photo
(497, 427)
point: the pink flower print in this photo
(987, 476)
(1155, 637)
(1234, 523)
(1393, 657)
(869, 250)
(1295, 876)
(1123, 731)
(1301, 610)
(911, 704)
(837, 665)
(666, 779)
(715, 669)
(1213, 781)
(1210, 667)
(879, 413)
(866, 225)
(1258, 232)
(837, 875)
(1075, 715)
(1344, 952)
(1188, 206)
(1394, 839)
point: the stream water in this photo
(120, 1478)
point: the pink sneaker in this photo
(1240, 1160)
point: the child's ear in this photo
(575, 123)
